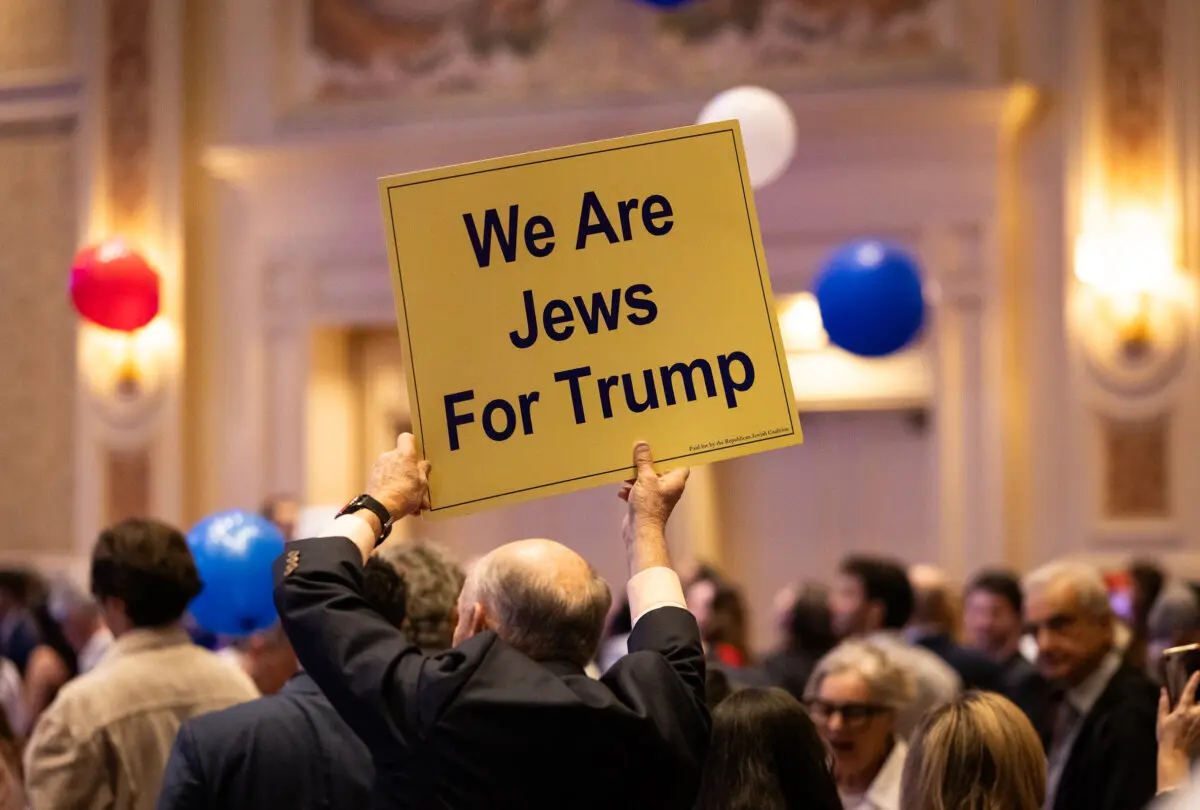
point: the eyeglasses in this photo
(854, 715)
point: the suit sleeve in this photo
(183, 785)
(367, 668)
(664, 676)
(672, 633)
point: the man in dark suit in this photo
(1102, 747)
(508, 718)
(292, 749)
(993, 625)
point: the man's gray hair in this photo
(432, 583)
(1176, 613)
(888, 682)
(1091, 594)
(536, 615)
(65, 598)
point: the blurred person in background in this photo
(80, 618)
(720, 611)
(615, 643)
(51, 664)
(1146, 583)
(284, 512)
(856, 696)
(1174, 621)
(12, 790)
(807, 625)
(433, 582)
(977, 752)
(1101, 750)
(104, 741)
(872, 599)
(293, 750)
(993, 625)
(934, 627)
(766, 754)
(18, 631)
(266, 657)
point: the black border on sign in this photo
(791, 409)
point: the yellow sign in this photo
(555, 307)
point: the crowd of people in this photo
(397, 679)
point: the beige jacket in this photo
(104, 741)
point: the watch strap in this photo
(371, 505)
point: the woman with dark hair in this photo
(51, 664)
(766, 755)
(807, 626)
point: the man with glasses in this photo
(1102, 748)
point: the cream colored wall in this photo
(332, 444)
(38, 234)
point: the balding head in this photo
(540, 597)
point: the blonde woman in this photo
(855, 695)
(977, 752)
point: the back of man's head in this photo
(148, 566)
(415, 586)
(884, 581)
(933, 605)
(542, 599)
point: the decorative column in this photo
(129, 462)
(1132, 305)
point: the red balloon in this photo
(114, 287)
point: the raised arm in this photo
(661, 623)
(366, 667)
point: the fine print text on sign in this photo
(557, 306)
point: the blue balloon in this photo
(869, 292)
(666, 3)
(234, 552)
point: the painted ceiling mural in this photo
(531, 50)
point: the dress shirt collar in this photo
(884, 792)
(1083, 697)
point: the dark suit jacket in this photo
(1113, 764)
(976, 669)
(287, 750)
(482, 725)
(1021, 683)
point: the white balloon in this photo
(768, 129)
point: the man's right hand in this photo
(652, 497)
(399, 480)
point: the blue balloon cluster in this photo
(870, 296)
(234, 551)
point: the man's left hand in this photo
(400, 479)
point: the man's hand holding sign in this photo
(556, 306)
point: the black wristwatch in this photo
(372, 505)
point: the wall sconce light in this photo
(1128, 272)
(800, 323)
(127, 367)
